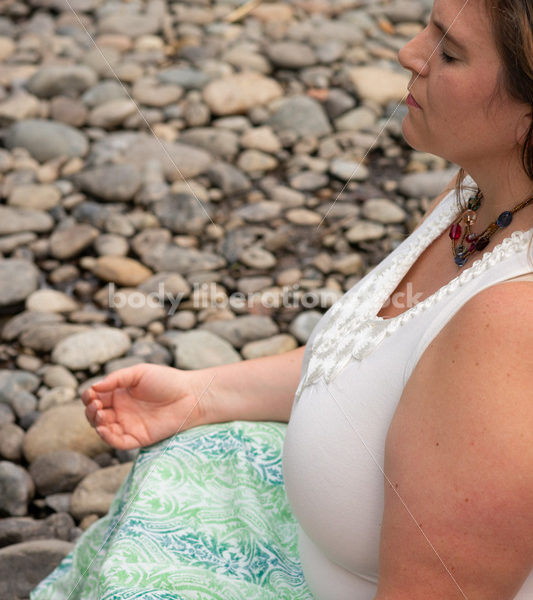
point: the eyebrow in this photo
(447, 35)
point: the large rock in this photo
(121, 270)
(46, 335)
(14, 530)
(177, 160)
(23, 566)
(239, 93)
(96, 491)
(291, 55)
(14, 219)
(378, 84)
(131, 25)
(137, 308)
(16, 490)
(62, 428)
(113, 183)
(55, 80)
(81, 350)
(219, 142)
(243, 329)
(25, 321)
(18, 279)
(426, 185)
(189, 79)
(183, 213)
(68, 242)
(46, 140)
(303, 325)
(60, 471)
(302, 115)
(199, 349)
(163, 257)
(228, 178)
(50, 301)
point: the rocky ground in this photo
(179, 189)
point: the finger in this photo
(122, 378)
(105, 398)
(87, 396)
(91, 409)
(117, 440)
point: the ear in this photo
(523, 126)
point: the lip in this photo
(412, 102)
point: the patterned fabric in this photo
(202, 516)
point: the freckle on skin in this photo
(437, 444)
(467, 500)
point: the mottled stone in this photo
(239, 93)
(18, 279)
(199, 349)
(62, 428)
(46, 140)
(81, 350)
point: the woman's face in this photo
(454, 80)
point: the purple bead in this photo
(482, 243)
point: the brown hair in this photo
(512, 28)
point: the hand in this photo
(143, 404)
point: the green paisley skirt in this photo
(202, 515)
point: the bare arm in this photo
(260, 389)
(457, 521)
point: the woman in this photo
(407, 458)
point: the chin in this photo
(409, 137)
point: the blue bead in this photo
(460, 260)
(504, 219)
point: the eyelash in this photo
(446, 57)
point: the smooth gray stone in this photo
(189, 79)
(14, 219)
(60, 471)
(241, 330)
(46, 140)
(164, 257)
(112, 183)
(18, 279)
(24, 565)
(56, 80)
(12, 382)
(301, 115)
(14, 530)
(183, 213)
(16, 490)
(229, 179)
(199, 349)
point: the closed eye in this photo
(446, 57)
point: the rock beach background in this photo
(182, 190)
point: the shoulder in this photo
(499, 316)
(459, 452)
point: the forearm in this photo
(261, 389)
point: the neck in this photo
(502, 190)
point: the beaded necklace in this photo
(472, 242)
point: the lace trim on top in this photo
(353, 329)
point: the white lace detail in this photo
(353, 329)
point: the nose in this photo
(414, 57)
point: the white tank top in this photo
(355, 367)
